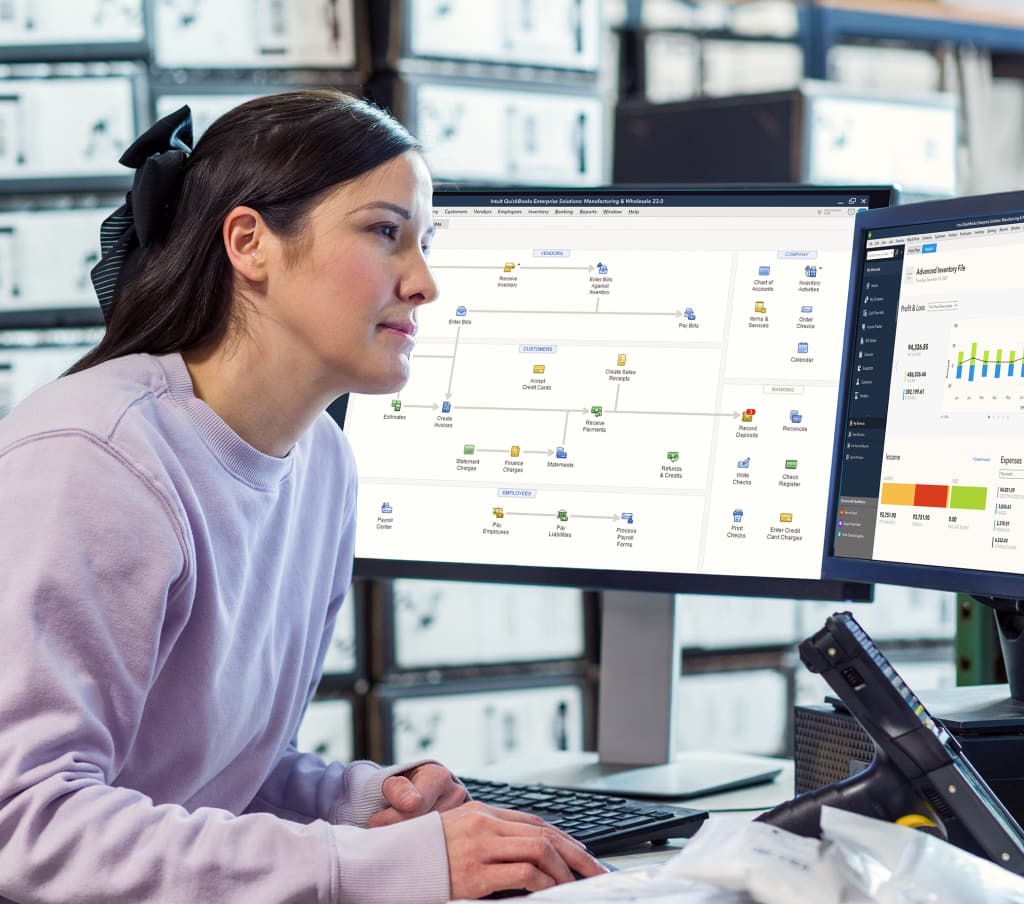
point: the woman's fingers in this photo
(540, 851)
(490, 849)
(430, 787)
(453, 797)
(513, 817)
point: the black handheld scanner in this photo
(919, 768)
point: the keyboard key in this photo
(605, 823)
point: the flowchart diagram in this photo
(635, 408)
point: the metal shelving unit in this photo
(824, 25)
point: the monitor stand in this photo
(1009, 614)
(637, 752)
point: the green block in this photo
(973, 498)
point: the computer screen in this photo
(928, 479)
(617, 388)
(928, 483)
(630, 390)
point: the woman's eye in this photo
(388, 230)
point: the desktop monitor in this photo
(928, 478)
(624, 389)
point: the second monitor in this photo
(928, 482)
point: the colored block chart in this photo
(926, 495)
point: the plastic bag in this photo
(773, 866)
(891, 864)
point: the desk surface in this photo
(750, 801)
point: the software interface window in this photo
(616, 382)
(933, 469)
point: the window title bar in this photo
(652, 198)
(950, 226)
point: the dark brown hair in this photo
(278, 154)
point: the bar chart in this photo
(985, 364)
(982, 363)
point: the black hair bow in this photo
(158, 157)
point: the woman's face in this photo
(343, 298)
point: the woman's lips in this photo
(409, 329)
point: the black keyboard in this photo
(604, 823)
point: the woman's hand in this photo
(418, 791)
(490, 849)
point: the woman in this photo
(176, 537)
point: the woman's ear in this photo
(245, 238)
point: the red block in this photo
(931, 495)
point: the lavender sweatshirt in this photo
(167, 594)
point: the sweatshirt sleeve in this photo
(94, 596)
(302, 784)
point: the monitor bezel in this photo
(839, 590)
(931, 577)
